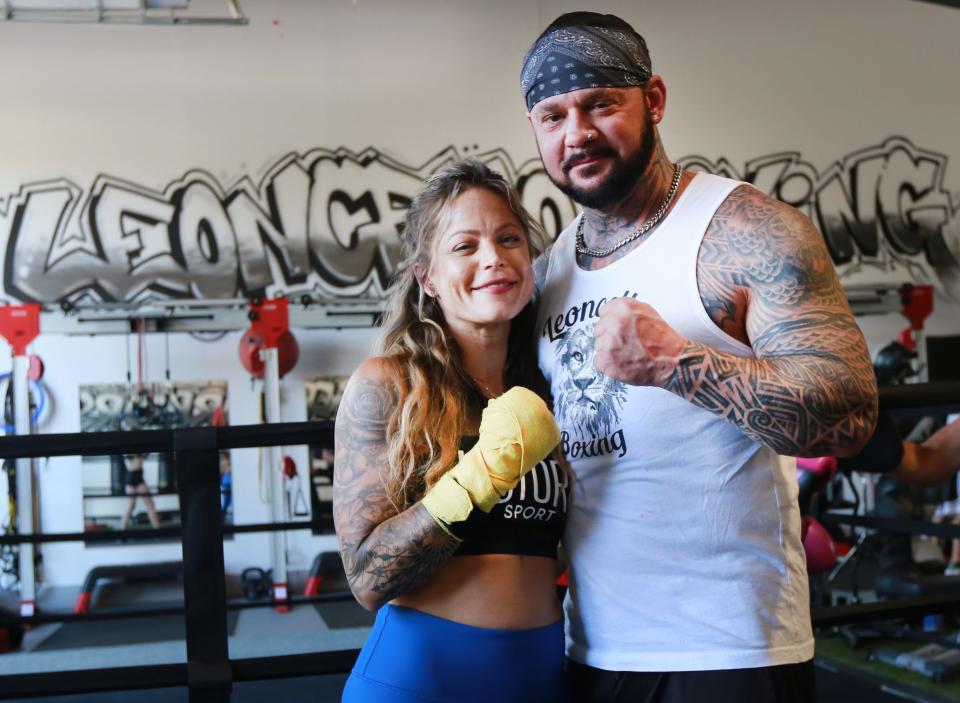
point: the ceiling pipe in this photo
(145, 12)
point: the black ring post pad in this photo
(204, 587)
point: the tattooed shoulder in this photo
(360, 437)
(762, 250)
(369, 398)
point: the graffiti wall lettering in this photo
(884, 211)
(327, 223)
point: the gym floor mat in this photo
(836, 649)
(835, 686)
(110, 633)
(339, 615)
(293, 690)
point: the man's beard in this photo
(623, 176)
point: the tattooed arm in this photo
(385, 553)
(765, 277)
(811, 388)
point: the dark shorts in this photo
(790, 683)
(134, 478)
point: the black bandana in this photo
(584, 50)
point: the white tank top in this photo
(683, 533)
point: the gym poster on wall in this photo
(323, 399)
(139, 491)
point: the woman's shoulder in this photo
(370, 396)
(373, 386)
(378, 369)
(384, 370)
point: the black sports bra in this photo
(529, 520)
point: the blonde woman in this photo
(448, 520)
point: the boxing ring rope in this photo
(943, 397)
(836, 615)
(907, 400)
(208, 672)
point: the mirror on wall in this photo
(139, 490)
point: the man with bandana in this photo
(696, 338)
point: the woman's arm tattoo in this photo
(385, 552)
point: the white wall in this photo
(411, 78)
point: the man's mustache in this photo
(582, 155)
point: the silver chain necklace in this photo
(582, 247)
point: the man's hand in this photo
(635, 345)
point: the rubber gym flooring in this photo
(254, 632)
(832, 687)
(843, 675)
(834, 654)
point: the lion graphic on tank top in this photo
(587, 401)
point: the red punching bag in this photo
(251, 343)
(818, 546)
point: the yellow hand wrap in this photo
(517, 430)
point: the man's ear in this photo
(655, 93)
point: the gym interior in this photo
(199, 209)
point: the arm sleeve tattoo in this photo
(385, 553)
(810, 388)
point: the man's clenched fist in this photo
(635, 345)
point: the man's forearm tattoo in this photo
(784, 403)
(385, 552)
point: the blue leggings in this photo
(412, 657)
